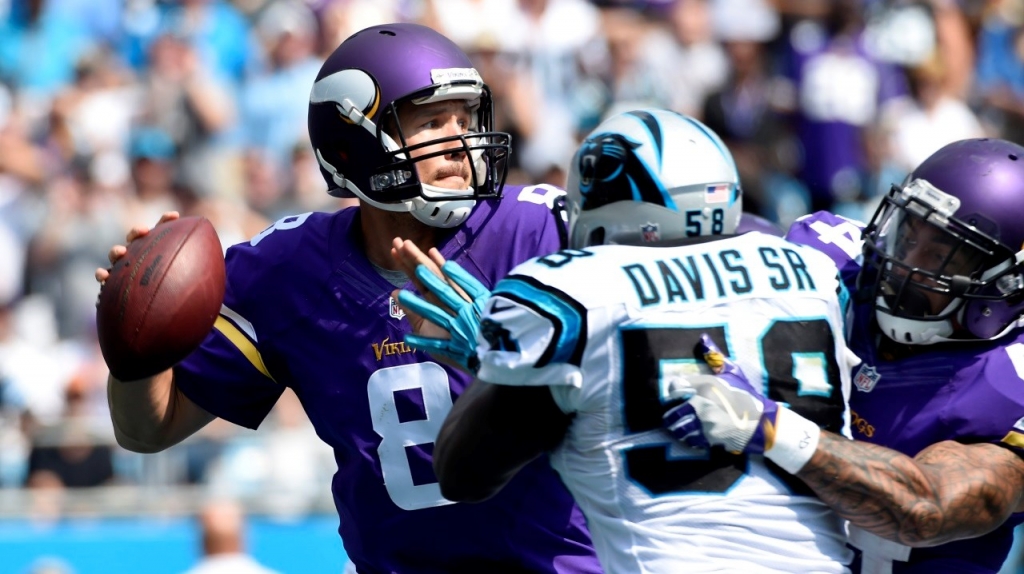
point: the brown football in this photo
(161, 298)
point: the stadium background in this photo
(113, 111)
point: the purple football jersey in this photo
(967, 392)
(305, 309)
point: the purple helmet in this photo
(355, 100)
(945, 251)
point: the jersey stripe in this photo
(239, 340)
(239, 322)
(566, 314)
(1014, 438)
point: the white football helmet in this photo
(650, 175)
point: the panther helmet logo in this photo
(610, 171)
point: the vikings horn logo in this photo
(354, 92)
(610, 171)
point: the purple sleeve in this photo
(232, 374)
(227, 375)
(835, 236)
(524, 225)
(990, 408)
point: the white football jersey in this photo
(609, 327)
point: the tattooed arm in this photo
(947, 492)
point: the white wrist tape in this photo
(796, 439)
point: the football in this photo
(161, 298)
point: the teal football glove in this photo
(463, 326)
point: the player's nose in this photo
(456, 148)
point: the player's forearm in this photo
(470, 467)
(151, 414)
(462, 472)
(486, 440)
(948, 492)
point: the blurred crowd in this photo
(114, 111)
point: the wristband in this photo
(796, 439)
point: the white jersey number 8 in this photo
(432, 382)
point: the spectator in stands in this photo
(22, 164)
(928, 118)
(31, 24)
(700, 62)
(153, 170)
(274, 104)
(273, 191)
(223, 538)
(838, 87)
(747, 115)
(1000, 68)
(559, 59)
(216, 30)
(70, 454)
(182, 96)
(339, 20)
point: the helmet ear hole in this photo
(596, 237)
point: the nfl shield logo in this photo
(650, 232)
(394, 310)
(866, 378)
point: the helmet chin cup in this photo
(442, 214)
(911, 331)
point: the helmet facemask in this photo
(488, 150)
(931, 270)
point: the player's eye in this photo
(904, 244)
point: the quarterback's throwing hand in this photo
(723, 409)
